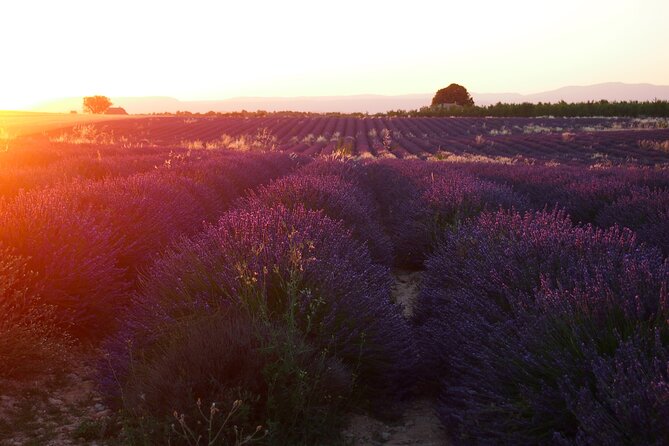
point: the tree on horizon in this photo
(96, 104)
(453, 94)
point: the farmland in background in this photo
(18, 123)
(591, 141)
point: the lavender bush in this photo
(298, 274)
(285, 384)
(643, 210)
(446, 202)
(340, 200)
(145, 212)
(397, 195)
(260, 258)
(73, 255)
(30, 342)
(514, 305)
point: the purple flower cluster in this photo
(277, 263)
(350, 171)
(338, 199)
(243, 170)
(643, 210)
(396, 187)
(580, 190)
(144, 212)
(521, 318)
(446, 202)
(418, 201)
(87, 239)
(73, 255)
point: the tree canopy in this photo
(96, 104)
(453, 94)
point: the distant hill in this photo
(344, 104)
(613, 91)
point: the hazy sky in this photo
(220, 49)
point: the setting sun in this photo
(217, 50)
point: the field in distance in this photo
(589, 141)
(18, 123)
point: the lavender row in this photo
(302, 318)
(86, 240)
(563, 140)
(535, 331)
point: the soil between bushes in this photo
(418, 424)
(54, 409)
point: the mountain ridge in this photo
(371, 103)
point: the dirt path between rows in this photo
(54, 410)
(418, 425)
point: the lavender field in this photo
(591, 141)
(221, 280)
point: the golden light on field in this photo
(214, 50)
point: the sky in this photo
(199, 50)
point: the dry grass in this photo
(85, 134)
(661, 146)
(445, 155)
(536, 128)
(261, 141)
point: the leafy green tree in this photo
(96, 104)
(453, 94)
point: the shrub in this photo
(338, 199)
(503, 257)
(73, 255)
(397, 197)
(261, 259)
(345, 298)
(284, 383)
(348, 170)
(29, 152)
(249, 170)
(645, 211)
(324, 313)
(580, 191)
(515, 315)
(16, 179)
(29, 340)
(627, 401)
(79, 237)
(145, 212)
(392, 201)
(424, 199)
(216, 175)
(584, 198)
(445, 203)
(562, 365)
(107, 165)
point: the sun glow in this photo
(214, 50)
